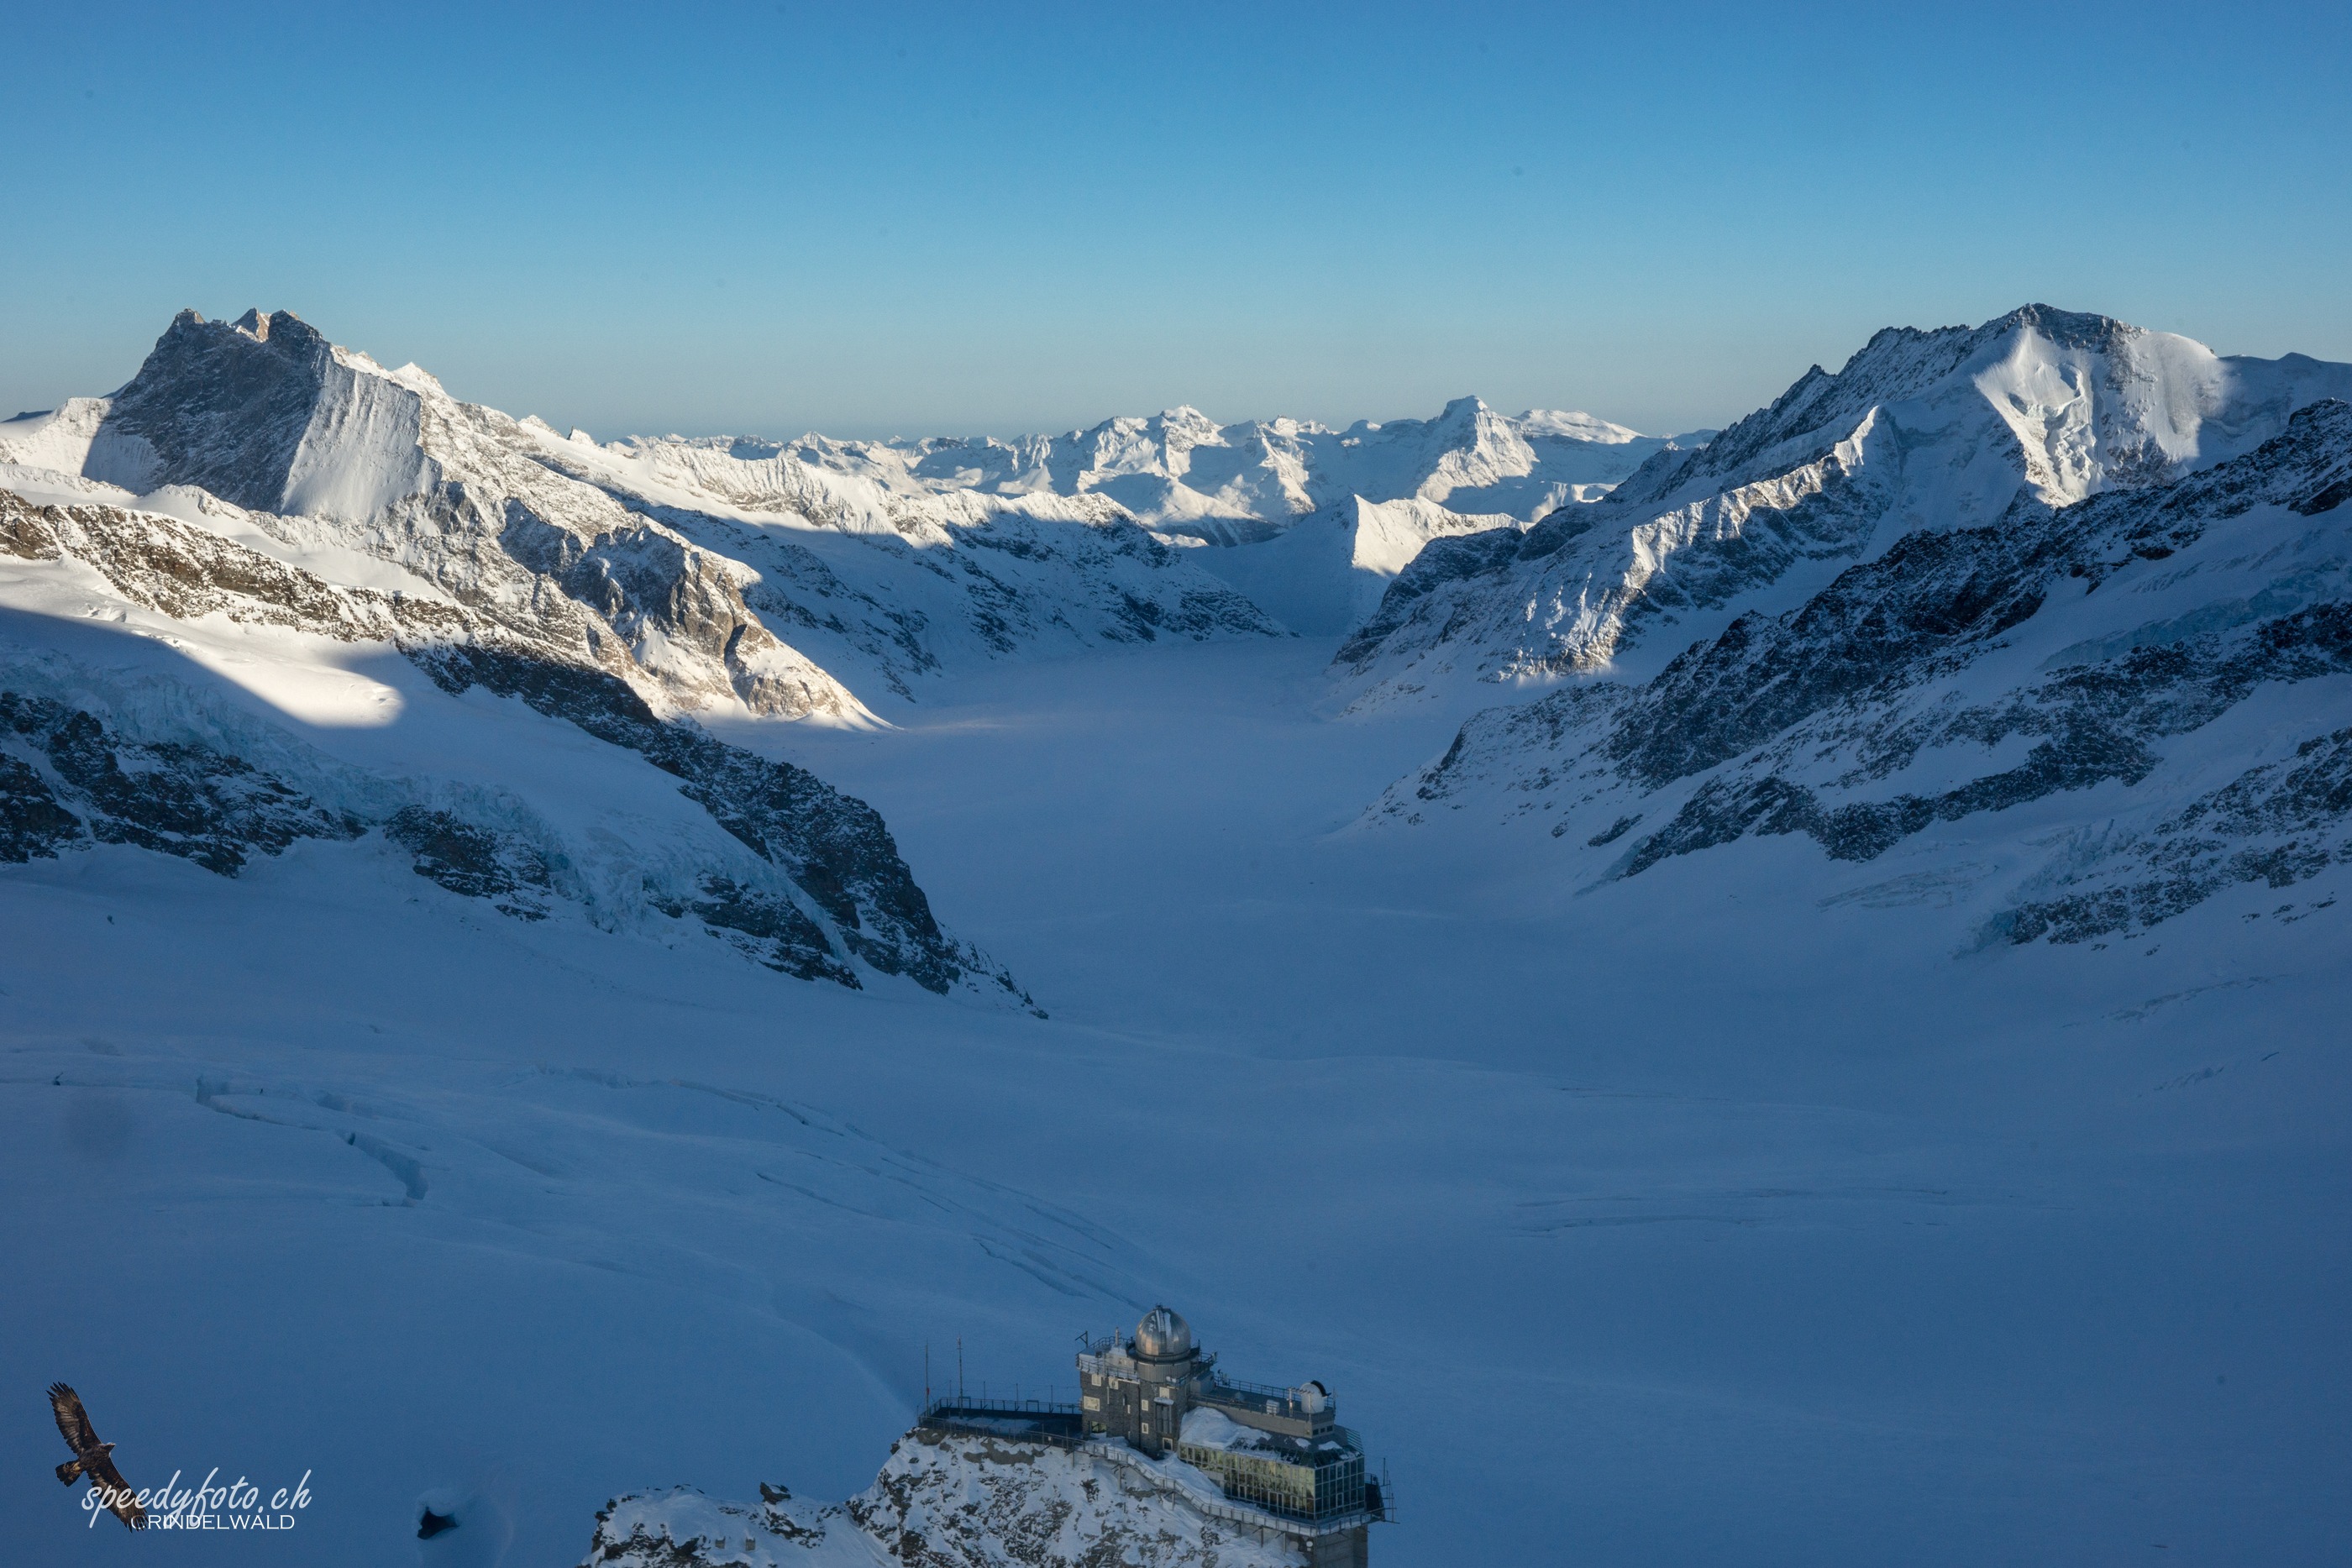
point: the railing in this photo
(1010, 1420)
(994, 1406)
(1255, 1390)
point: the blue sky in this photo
(777, 217)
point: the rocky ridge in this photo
(2099, 649)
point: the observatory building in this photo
(1278, 1455)
(1280, 1448)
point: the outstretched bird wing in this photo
(97, 1466)
(72, 1420)
(118, 1493)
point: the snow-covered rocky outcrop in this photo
(2075, 717)
(1933, 429)
(953, 1502)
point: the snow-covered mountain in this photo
(336, 554)
(1932, 430)
(814, 579)
(2074, 719)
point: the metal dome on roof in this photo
(1163, 1336)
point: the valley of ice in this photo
(1769, 995)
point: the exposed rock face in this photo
(2058, 650)
(772, 930)
(830, 885)
(185, 572)
(473, 860)
(1593, 590)
(2278, 824)
(70, 780)
(1920, 430)
(33, 825)
(944, 1504)
(227, 407)
(929, 583)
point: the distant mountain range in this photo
(268, 590)
(1181, 473)
(1350, 506)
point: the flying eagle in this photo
(92, 1459)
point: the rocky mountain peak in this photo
(1904, 365)
(2067, 328)
(223, 405)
